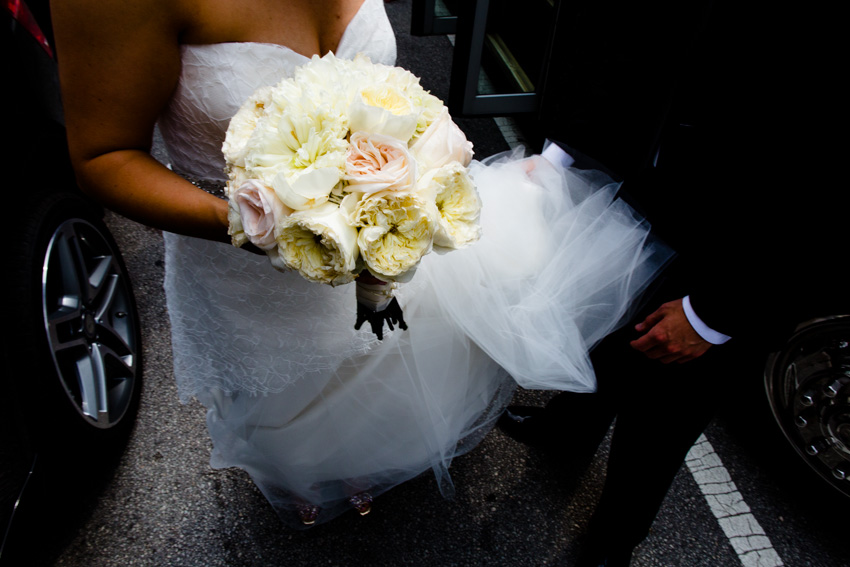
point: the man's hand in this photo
(668, 336)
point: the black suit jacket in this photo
(746, 181)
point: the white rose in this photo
(443, 142)
(319, 244)
(259, 211)
(383, 109)
(457, 203)
(396, 230)
(307, 189)
(376, 163)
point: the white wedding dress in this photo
(317, 412)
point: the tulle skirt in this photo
(317, 412)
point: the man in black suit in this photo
(740, 189)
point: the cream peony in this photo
(329, 77)
(319, 244)
(395, 230)
(376, 163)
(443, 142)
(458, 206)
(242, 126)
(234, 225)
(299, 151)
(237, 176)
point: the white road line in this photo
(743, 530)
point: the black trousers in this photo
(660, 411)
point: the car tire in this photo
(807, 384)
(74, 342)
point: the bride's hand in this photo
(253, 249)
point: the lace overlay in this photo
(315, 411)
(235, 335)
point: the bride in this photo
(325, 418)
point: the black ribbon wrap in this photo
(391, 315)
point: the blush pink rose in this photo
(260, 210)
(376, 162)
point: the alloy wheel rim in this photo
(90, 321)
(808, 387)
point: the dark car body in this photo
(71, 343)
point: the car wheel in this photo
(77, 340)
(808, 389)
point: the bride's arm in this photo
(119, 63)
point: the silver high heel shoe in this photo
(308, 513)
(361, 502)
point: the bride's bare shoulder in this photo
(118, 17)
(119, 62)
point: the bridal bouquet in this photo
(349, 170)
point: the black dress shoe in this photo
(599, 557)
(527, 424)
(597, 552)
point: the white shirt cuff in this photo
(556, 155)
(701, 328)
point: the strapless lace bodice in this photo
(216, 79)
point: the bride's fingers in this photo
(253, 249)
(366, 277)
